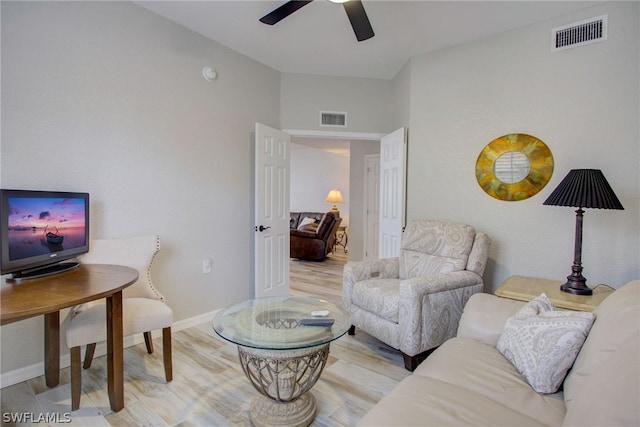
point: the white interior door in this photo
(393, 154)
(271, 212)
(372, 206)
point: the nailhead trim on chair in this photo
(160, 296)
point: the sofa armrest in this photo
(484, 317)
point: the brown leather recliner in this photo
(315, 246)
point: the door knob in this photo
(262, 228)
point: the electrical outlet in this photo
(206, 265)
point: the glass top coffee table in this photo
(283, 346)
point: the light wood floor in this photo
(209, 387)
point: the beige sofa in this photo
(467, 381)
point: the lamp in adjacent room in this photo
(334, 197)
(582, 188)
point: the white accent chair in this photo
(143, 307)
(413, 302)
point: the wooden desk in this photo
(48, 295)
(527, 288)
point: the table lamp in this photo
(582, 188)
(334, 197)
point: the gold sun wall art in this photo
(514, 167)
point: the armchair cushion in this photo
(379, 296)
(432, 247)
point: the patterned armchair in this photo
(414, 302)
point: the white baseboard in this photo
(37, 369)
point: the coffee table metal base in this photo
(266, 412)
(283, 378)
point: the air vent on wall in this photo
(579, 33)
(333, 118)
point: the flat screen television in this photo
(41, 230)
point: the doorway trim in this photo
(332, 134)
(371, 198)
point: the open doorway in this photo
(322, 163)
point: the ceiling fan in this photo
(354, 9)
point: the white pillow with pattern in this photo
(542, 343)
(305, 221)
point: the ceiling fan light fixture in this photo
(354, 9)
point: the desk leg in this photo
(115, 352)
(52, 348)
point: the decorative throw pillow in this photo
(542, 343)
(309, 227)
(306, 221)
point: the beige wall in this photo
(366, 102)
(401, 96)
(582, 102)
(108, 98)
(314, 173)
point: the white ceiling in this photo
(318, 38)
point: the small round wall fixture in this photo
(514, 167)
(209, 73)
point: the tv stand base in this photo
(48, 270)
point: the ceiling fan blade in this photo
(359, 19)
(283, 11)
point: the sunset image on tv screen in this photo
(39, 226)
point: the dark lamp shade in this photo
(584, 188)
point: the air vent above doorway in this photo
(579, 33)
(333, 119)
